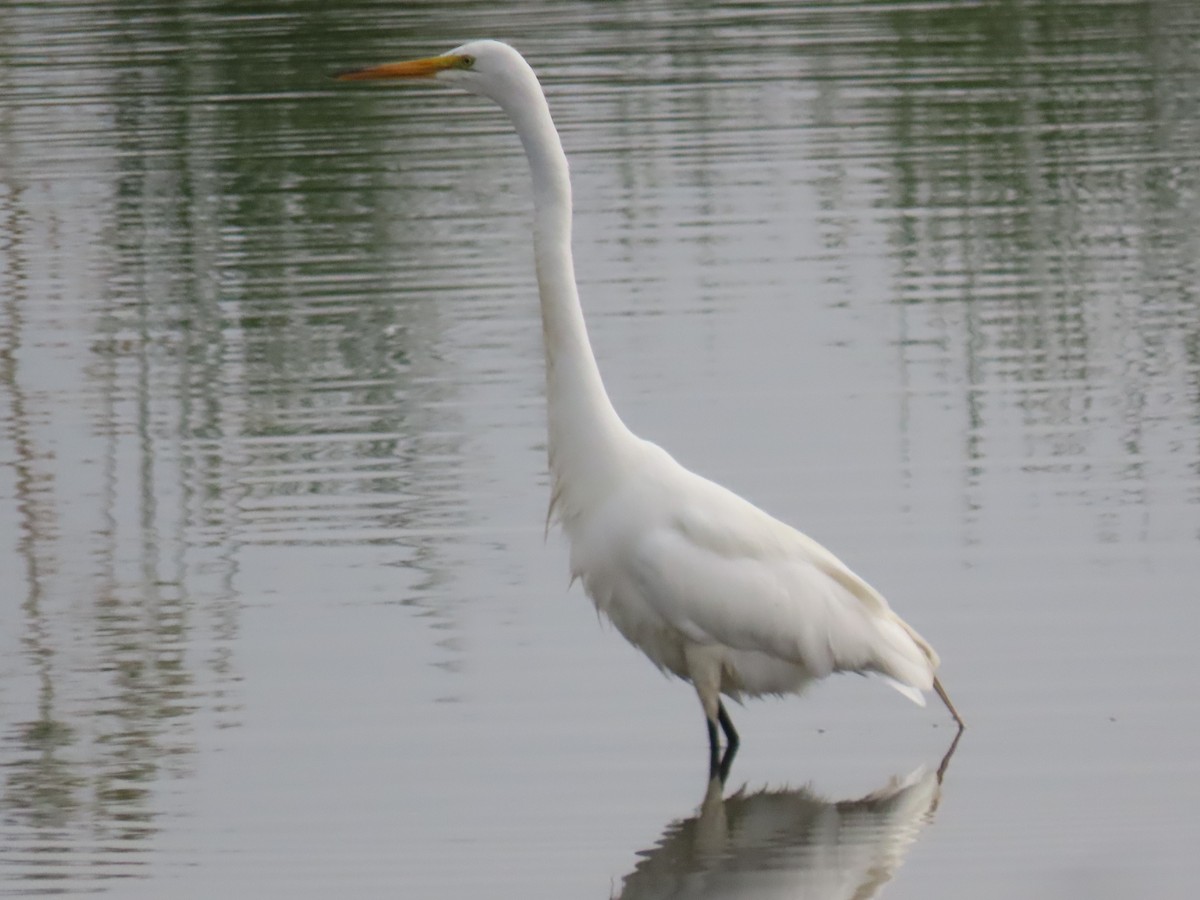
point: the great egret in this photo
(707, 585)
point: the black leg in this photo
(719, 763)
(731, 735)
(714, 749)
(722, 770)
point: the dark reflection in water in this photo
(1047, 229)
(788, 843)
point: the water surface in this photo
(278, 611)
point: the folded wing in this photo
(723, 572)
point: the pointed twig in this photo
(941, 692)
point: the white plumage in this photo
(713, 589)
(708, 586)
(786, 844)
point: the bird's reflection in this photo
(788, 843)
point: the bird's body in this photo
(716, 591)
(708, 586)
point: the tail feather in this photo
(907, 690)
(904, 657)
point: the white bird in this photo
(711, 588)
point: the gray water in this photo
(277, 616)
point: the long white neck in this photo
(587, 439)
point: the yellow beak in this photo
(417, 68)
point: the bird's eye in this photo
(468, 62)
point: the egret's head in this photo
(489, 68)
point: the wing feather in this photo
(721, 571)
